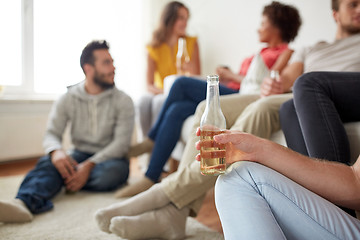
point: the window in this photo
(54, 34)
(10, 40)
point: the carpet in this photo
(73, 218)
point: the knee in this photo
(306, 82)
(239, 175)
(286, 109)
(45, 162)
(111, 177)
(179, 82)
(179, 111)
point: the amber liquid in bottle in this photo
(212, 154)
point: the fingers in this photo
(70, 168)
(73, 162)
(73, 183)
(233, 137)
(198, 132)
(270, 87)
(197, 145)
(65, 168)
(73, 186)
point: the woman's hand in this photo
(270, 86)
(225, 74)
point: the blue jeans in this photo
(43, 182)
(256, 202)
(184, 96)
(313, 121)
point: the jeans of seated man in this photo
(43, 182)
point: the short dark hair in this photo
(285, 17)
(335, 5)
(87, 56)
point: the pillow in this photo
(254, 77)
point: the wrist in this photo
(89, 165)
(262, 153)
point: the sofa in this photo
(352, 129)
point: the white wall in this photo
(22, 127)
(227, 33)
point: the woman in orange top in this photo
(161, 59)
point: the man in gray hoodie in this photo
(102, 121)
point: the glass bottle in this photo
(182, 58)
(212, 123)
(274, 75)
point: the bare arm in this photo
(282, 60)
(290, 74)
(334, 181)
(151, 66)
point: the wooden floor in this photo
(207, 214)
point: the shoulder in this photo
(122, 98)
(156, 52)
(191, 39)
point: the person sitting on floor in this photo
(102, 120)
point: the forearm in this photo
(51, 143)
(56, 126)
(334, 181)
(290, 74)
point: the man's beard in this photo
(351, 29)
(99, 80)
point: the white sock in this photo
(14, 211)
(166, 223)
(143, 202)
(135, 188)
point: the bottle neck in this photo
(180, 51)
(212, 95)
(213, 116)
(182, 58)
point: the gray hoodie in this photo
(101, 124)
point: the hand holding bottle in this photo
(212, 123)
(239, 146)
(272, 85)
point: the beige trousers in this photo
(248, 113)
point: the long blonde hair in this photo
(167, 21)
